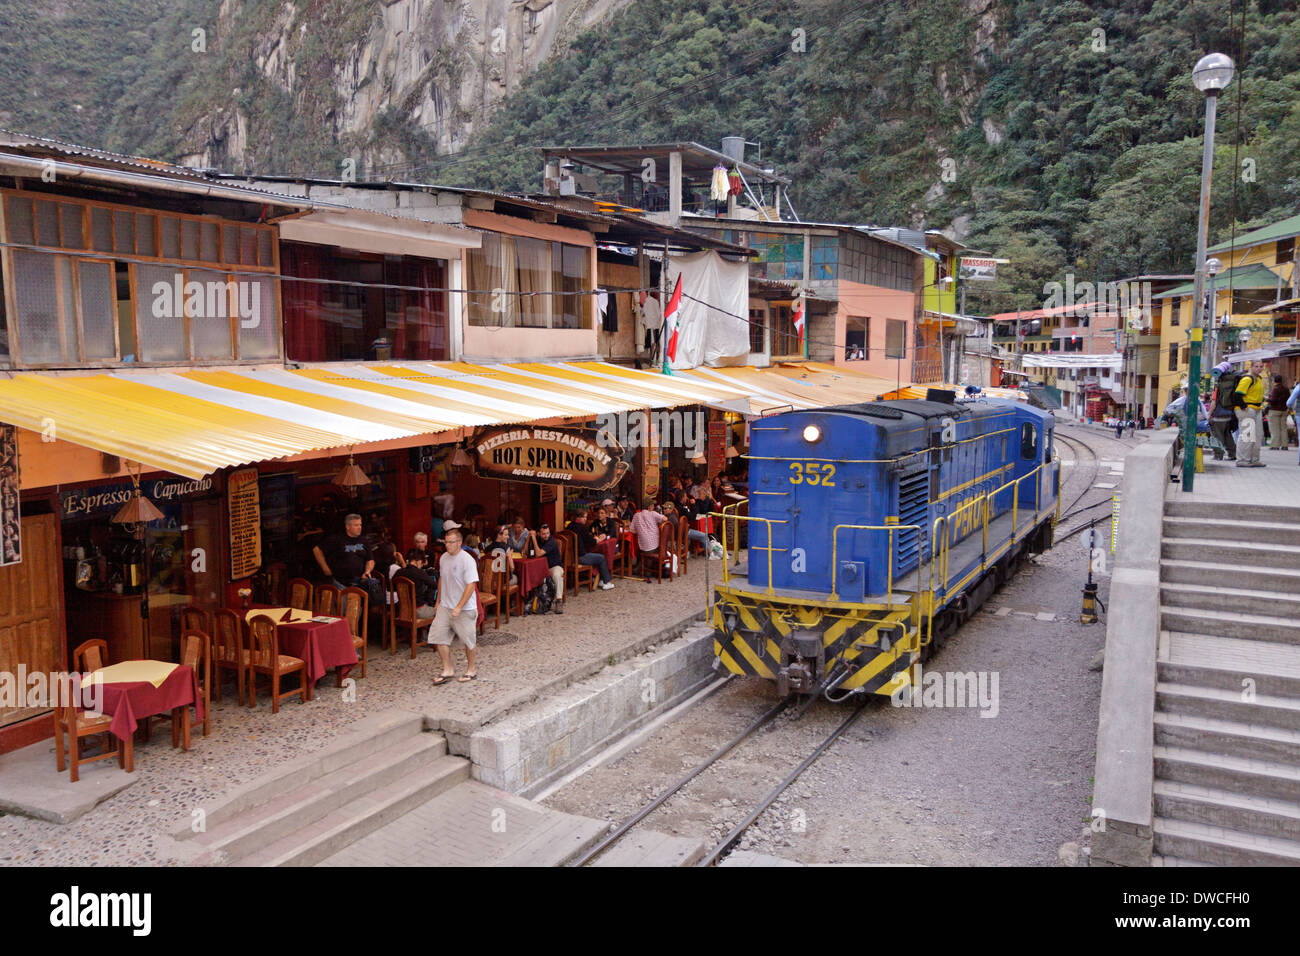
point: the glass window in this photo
(259, 326)
(1028, 441)
(209, 305)
(1173, 357)
(208, 240)
(577, 306)
(45, 320)
(533, 262)
(160, 329)
(70, 225)
(856, 334)
(490, 283)
(895, 339)
(144, 238)
(123, 232)
(170, 229)
(47, 223)
(98, 310)
(230, 245)
(19, 220)
(101, 229)
(757, 330)
(785, 339)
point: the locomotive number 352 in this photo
(812, 473)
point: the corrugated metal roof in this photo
(1282, 229)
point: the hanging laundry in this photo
(609, 318)
(719, 186)
(736, 183)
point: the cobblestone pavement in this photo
(516, 663)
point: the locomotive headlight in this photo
(812, 434)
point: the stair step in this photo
(1226, 663)
(1245, 556)
(1192, 571)
(1235, 811)
(363, 738)
(1266, 710)
(1235, 511)
(472, 824)
(1231, 530)
(1212, 597)
(313, 799)
(1215, 735)
(364, 815)
(1222, 847)
(1249, 627)
(1240, 774)
(651, 848)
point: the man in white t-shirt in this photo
(457, 614)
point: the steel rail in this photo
(659, 801)
(730, 839)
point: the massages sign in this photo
(548, 456)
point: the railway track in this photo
(1075, 509)
(724, 847)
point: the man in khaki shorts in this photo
(457, 613)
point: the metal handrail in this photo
(767, 521)
(915, 609)
(725, 554)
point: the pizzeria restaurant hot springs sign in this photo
(551, 456)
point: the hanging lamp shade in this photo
(460, 459)
(351, 476)
(699, 460)
(138, 509)
(731, 452)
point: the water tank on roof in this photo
(733, 147)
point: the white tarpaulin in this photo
(708, 335)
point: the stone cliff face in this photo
(388, 81)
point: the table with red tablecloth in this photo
(532, 572)
(321, 645)
(128, 699)
(628, 540)
(609, 548)
(704, 523)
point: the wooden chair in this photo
(356, 611)
(90, 655)
(573, 571)
(195, 619)
(229, 650)
(329, 600)
(662, 557)
(507, 591)
(683, 541)
(405, 615)
(196, 652)
(489, 591)
(74, 725)
(266, 659)
(300, 594)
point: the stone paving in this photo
(527, 658)
(1278, 483)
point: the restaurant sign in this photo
(548, 456)
(84, 502)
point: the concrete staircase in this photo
(319, 804)
(1227, 721)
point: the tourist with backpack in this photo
(1249, 397)
(1223, 419)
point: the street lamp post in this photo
(1211, 76)
(1212, 268)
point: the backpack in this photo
(542, 597)
(1227, 397)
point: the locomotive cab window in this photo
(1028, 441)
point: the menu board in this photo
(11, 545)
(717, 447)
(245, 523)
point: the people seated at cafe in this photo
(425, 580)
(625, 509)
(605, 523)
(501, 545)
(544, 543)
(471, 545)
(347, 559)
(645, 525)
(694, 511)
(587, 553)
(519, 536)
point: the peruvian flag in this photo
(671, 314)
(798, 320)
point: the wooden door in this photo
(30, 610)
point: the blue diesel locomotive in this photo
(874, 531)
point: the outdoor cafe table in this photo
(628, 540)
(704, 523)
(609, 548)
(320, 644)
(132, 691)
(531, 571)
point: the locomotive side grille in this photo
(913, 501)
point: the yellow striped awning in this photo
(193, 422)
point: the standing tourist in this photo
(1279, 440)
(1250, 399)
(347, 559)
(457, 612)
